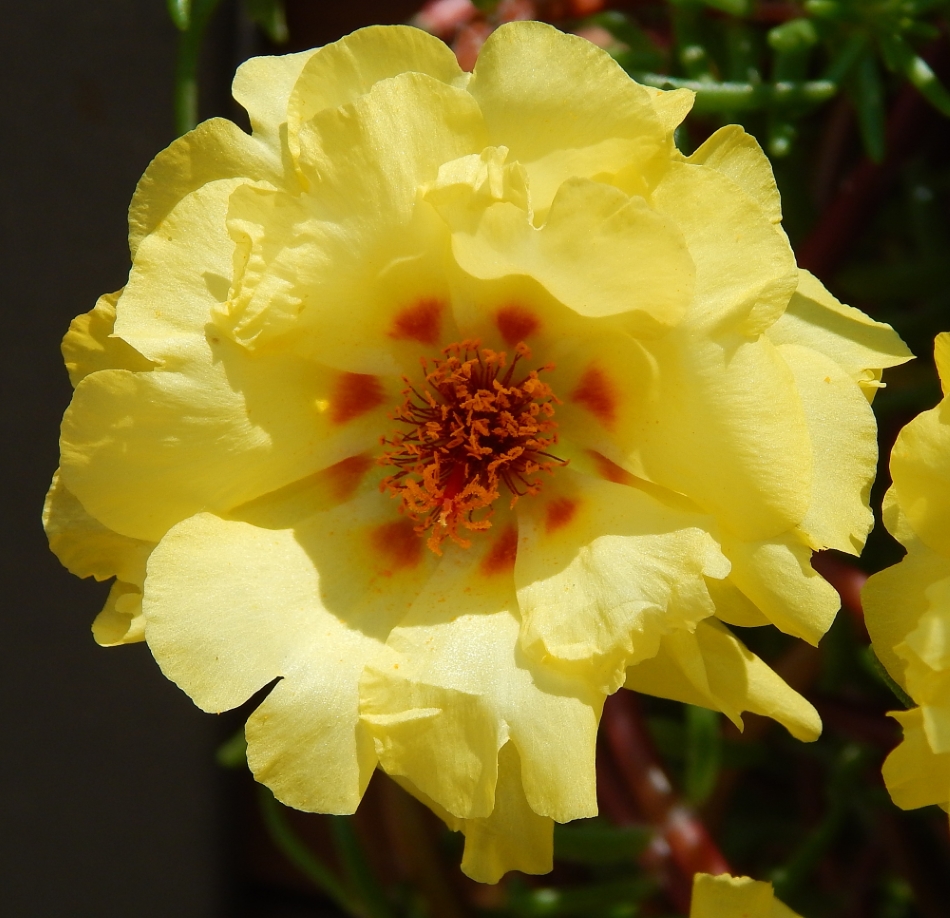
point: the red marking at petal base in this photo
(345, 476)
(421, 322)
(559, 513)
(501, 558)
(354, 394)
(610, 470)
(399, 542)
(598, 395)
(515, 323)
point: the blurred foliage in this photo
(739, 60)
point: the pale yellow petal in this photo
(339, 73)
(300, 741)
(90, 346)
(745, 269)
(777, 575)
(733, 606)
(263, 87)
(604, 570)
(914, 774)
(635, 260)
(861, 346)
(295, 272)
(216, 149)
(550, 119)
(736, 154)
(457, 688)
(180, 273)
(724, 896)
(121, 620)
(895, 599)
(722, 423)
(713, 669)
(231, 607)
(843, 435)
(362, 236)
(227, 428)
(513, 837)
(920, 469)
(84, 546)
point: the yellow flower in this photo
(907, 606)
(724, 896)
(456, 403)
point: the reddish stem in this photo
(690, 847)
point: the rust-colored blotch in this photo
(516, 323)
(399, 543)
(610, 470)
(501, 557)
(345, 476)
(559, 513)
(598, 395)
(354, 394)
(420, 322)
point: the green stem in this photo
(713, 97)
(300, 855)
(186, 66)
(361, 878)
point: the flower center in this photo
(477, 424)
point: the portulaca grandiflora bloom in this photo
(907, 606)
(453, 403)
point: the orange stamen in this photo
(472, 429)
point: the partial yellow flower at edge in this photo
(907, 606)
(724, 896)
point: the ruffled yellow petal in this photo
(942, 360)
(895, 599)
(723, 424)
(216, 149)
(456, 688)
(737, 155)
(364, 238)
(263, 87)
(745, 269)
(604, 570)
(231, 606)
(513, 837)
(711, 668)
(920, 469)
(724, 896)
(89, 344)
(224, 429)
(915, 775)
(550, 120)
(121, 620)
(588, 223)
(777, 575)
(858, 344)
(340, 73)
(843, 436)
(84, 546)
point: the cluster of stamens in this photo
(472, 430)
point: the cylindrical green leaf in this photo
(867, 93)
